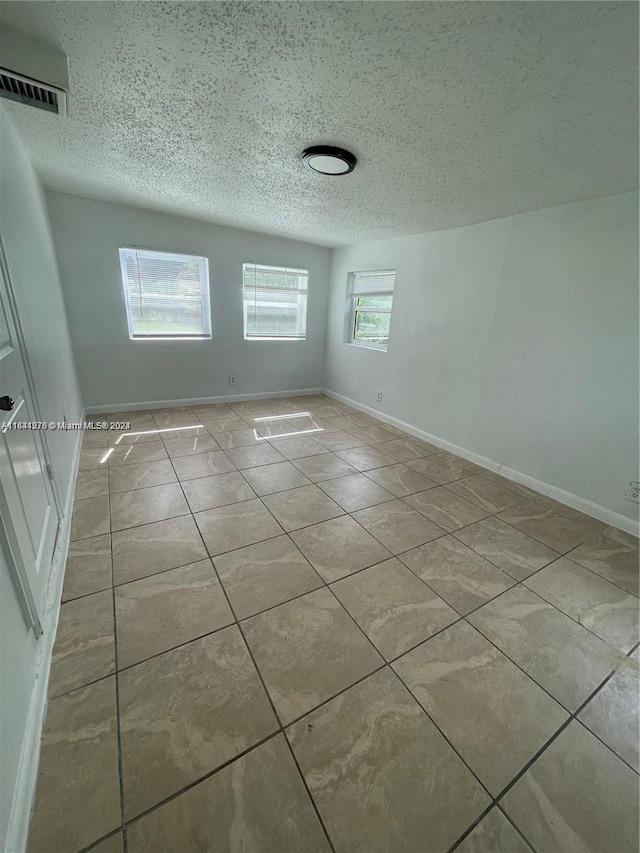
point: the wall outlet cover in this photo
(632, 491)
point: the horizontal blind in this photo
(374, 283)
(167, 295)
(275, 301)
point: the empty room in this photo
(319, 428)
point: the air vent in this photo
(33, 93)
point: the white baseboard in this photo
(629, 525)
(25, 789)
(199, 401)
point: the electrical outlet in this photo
(232, 380)
(379, 396)
(633, 491)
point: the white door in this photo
(27, 506)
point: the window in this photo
(371, 296)
(275, 303)
(167, 295)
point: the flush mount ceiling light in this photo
(328, 160)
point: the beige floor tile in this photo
(151, 548)
(355, 492)
(445, 508)
(212, 410)
(88, 567)
(351, 421)
(552, 529)
(203, 465)
(494, 834)
(229, 527)
(600, 606)
(560, 655)
(180, 416)
(263, 575)
(252, 457)
(218, 490)
(267, 479)
(130, 454)
(613, 716)
(223, 423)
(302, 507)
(297, 447)
(338, 439)
(611, 560)
(278, 427)
(489, 710)
(122, 439)
(92, 484)
(577, 797)
(364, 458)
(189, 433)
(246, 437)
(400, 480)
(485, 492)
(113, 844)
(78, 771)
(251, 409)
(162, 611)
(95, 439)
(257, 803)
(307, 650)
(138, 421)
(339, 547)
(91, 458)
(375, 434)
(190, 445)
(381, 774)
(443, 467)
(143, 506)
(90, 517)
(125, 478)
(185, 713)
(622, 537)
(404, 449)
(589, 526)
(325, 466)
(464, 579)
(84, 649)
(397, 526)
(393, 607)
(513, 552)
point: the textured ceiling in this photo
(458, 112)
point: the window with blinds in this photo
(371, 295)
(166, 295)
(275, 303)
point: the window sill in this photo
(174, 338)
(252, 338)
(367, 346)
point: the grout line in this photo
(117, 689)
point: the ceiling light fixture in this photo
(328, 160)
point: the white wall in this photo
(114, 369)
(31, 261)
(516, 339)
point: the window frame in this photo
(281, 268)
(205, 283)
(353, 309)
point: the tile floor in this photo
(344, 640)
